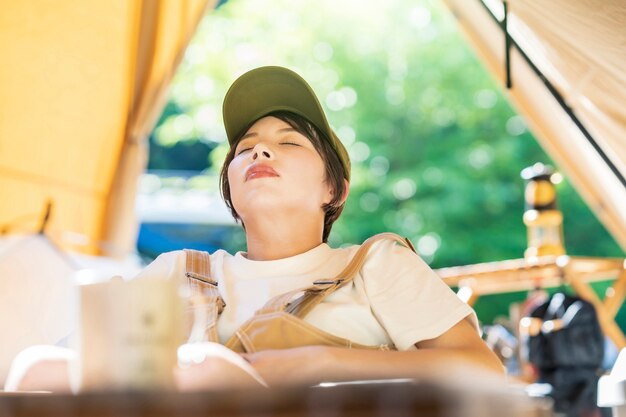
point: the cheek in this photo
(313, 177)
(232, 173)
(234, 168)
(320, 170)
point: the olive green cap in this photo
(267, 89)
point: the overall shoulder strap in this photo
(315, 293)
(359, 258)
(323, 288)
(206, 302)
(198, 266)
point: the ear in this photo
(344, 197)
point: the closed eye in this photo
(290, 143)
(239, 152)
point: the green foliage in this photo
(436, 148)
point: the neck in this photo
(268, 239)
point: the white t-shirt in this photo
(395, 298)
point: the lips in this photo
(260, 171)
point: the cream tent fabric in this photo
(81, 86)
(580, 47)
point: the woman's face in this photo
(277, 168)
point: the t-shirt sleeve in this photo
(408, 298)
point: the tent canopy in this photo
(578, 46)
(83, 83)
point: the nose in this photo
(262, 151)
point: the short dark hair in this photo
(332, 164)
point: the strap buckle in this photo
(204, 279)
(327, 281)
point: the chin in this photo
(270, 205)
(259, 204)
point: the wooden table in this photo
(550, 271)
(400, 398)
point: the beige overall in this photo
(279, 324)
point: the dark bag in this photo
(578, 343)
(568, 353)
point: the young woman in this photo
(286, 179)
(371, 312)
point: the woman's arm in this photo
(459, 347)
(41, 368)
(211, 366)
